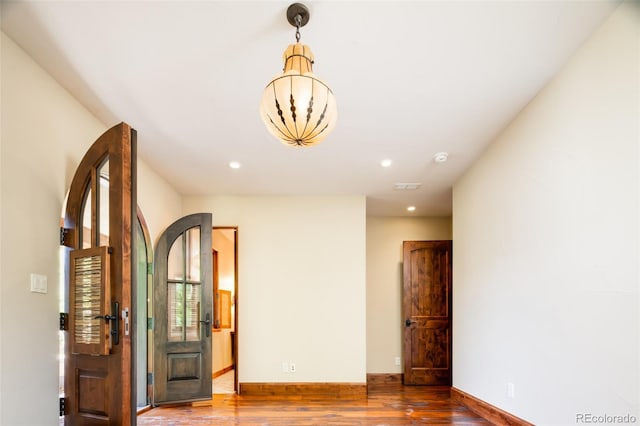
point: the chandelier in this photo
(297, 107)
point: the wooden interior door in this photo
(97, 232)
(427, 312)
(183, 312)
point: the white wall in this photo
(545, 230)
(161, 205)
(44, 134)
(301, 285)
(384, 283)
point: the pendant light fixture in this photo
(297, 107)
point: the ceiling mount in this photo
(295, 10)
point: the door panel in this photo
(427, 312)
(183, 311)
(97, 221)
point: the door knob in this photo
(408, 322)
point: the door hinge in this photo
(149, 323)
(64, 321)
(150, 268)
(64, 232)
(149, 378)
(63, 406)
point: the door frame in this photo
(236, 385)
(149, 313)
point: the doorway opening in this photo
(225, 301)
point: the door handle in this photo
(207, 323)
(106, 318)
(115, 324)
(408, 322)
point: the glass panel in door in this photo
(184, 287)
(103, 203)
(86, 226)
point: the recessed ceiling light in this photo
(440, 157)
(234, 165)
(386, 163)
(411, 208)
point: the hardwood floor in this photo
(224, 383)
(386, 404)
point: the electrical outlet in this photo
(285, 367)
(292, 367)
(511, 390)
(397, 360)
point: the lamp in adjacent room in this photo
(297, 107)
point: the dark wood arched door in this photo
(98, 233)
(183, 311)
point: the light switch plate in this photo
(38, 283)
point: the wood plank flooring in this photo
(386, 404)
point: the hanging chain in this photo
(298, 20)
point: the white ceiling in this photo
(411, 78)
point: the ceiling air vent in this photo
(407, 186)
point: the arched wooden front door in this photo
(98, 231)
(183, 311)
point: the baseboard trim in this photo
(143, 410)
(384, 378)
(493, 414)
(221, 372)
(288, 389)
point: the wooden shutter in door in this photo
(90, 301)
